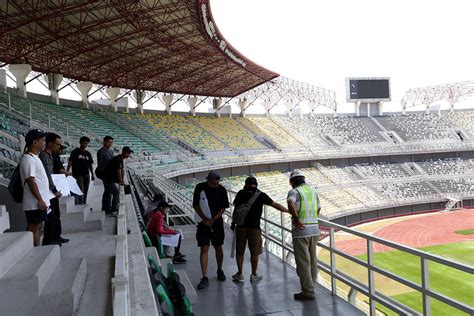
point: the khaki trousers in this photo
(306, 260)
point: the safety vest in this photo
(309, 205)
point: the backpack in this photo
(15, 187)
(241, 211)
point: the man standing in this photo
(114, 175)
(81, 162)
(210, 200)
(35, 183)
(103, 156)
(58, 168)
(250, 230)
(303, 204)
(53, 142)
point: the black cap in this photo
(251, 181)
(127, 149)
(158, 197)
(32, 135)
(213, 175)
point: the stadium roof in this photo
(161, 45)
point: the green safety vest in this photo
(309, 205)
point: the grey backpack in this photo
(241, 211)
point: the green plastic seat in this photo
(164, 298)
(187, 307)
(146, 239)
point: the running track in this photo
(422, 231)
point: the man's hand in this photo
(208, 222)
(298, 224)
(68, 173)
(175, 232)
(42, 205)
(58, 194)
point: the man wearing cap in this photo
(250, 230)
(114, 175)
(304, 206)
(210, 200)
(53, 142)
(35, 183)
(81, 162)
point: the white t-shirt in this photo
(31, 166)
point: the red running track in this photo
(421, 231)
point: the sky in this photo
(414, 42)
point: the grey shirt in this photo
(103, 156)
(48, 163)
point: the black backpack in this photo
(15, 187)
(241, 211)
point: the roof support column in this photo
(140, 96)
(267, 105)
(243, 106)
(20, 72)
(216, 105)
(84, 87)
(192, 103)
(289, 108)
(113, 93)
(3, 80)
(54, 80)
(167, 99)
(312, 108)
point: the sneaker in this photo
(203, 283)
(221, 275)
(179, 260)
(238, 277)
(255, 278)
(302, 297)
(63, 240)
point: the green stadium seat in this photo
(164, 299)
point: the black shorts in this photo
(214, 235)
(35, 216)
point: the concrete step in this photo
(62, 293)
(22, 284)
(13, 246)
(84, 221)
(66, 203)
(4, 219)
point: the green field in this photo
(465, 232)
(450, 282)
(447, 281)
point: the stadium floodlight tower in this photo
(368, 94)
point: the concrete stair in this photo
(4, 219)
(79, 218)
(35, 280)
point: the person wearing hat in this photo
(156, 228)
(157, 198)
(210, 201)
(114, 175)
(81, 163)
(250, 230)
(304, 206)
(35, 183)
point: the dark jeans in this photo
(111, 191)
(52, 225)
(83, 183)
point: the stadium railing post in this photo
(283, 236)
(425, 285)
(371, 279)
(333, 261)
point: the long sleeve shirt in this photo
(48, 164)
(156, 226)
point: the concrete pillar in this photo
(216, 104)
(84, 87)
(3, 80)
(54, 80)
(192, 103)
(243, 106)
(289, 105)
(312, 108)
(267, 105)
(380, 108)
(168, 99)
(140, 96)
(113, 93)
(20, 72)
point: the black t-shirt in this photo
(252, 220)
(81, 162)
(111, 169)
(57, 164)
(217, 198)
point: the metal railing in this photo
(282, 247)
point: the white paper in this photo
(61, 184)
(73, 186)
(170, 240)
(204, 206)
(49, 196)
